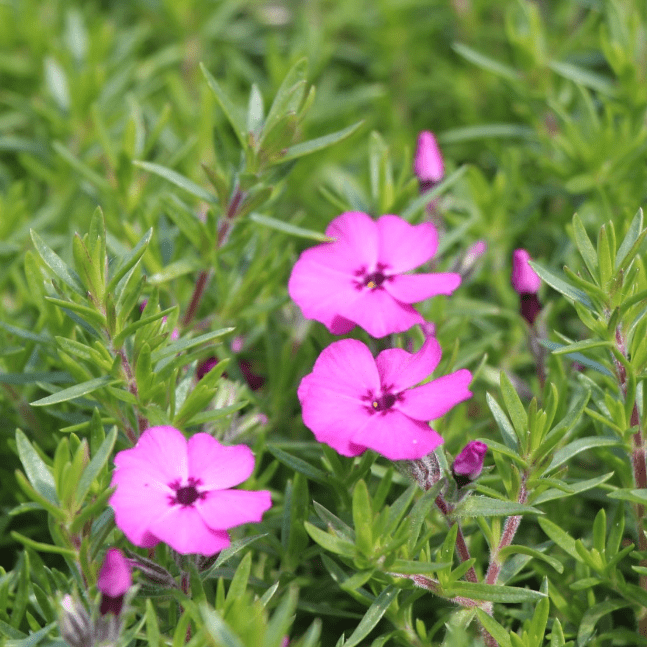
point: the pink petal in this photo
(114, 575)
(524, 279)
(224, 509)
(403, 246)
(320, 290)
(340, 325)
(397, 437)
(411, 288)
(217, 466)
(159, 450)
(400, 370)
(332, 417)
(183, 529)
(356, 241)
(434, 399)
(428, 164)
(380, 314)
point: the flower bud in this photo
(428, 164)
(113, 582)
(526, 282)
(74, 623)
(468, 464)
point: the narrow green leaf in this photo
(284, 100)
(178, 179)
(152, 628)
(562, 286)
(526, 550)
(52, 377)
(231, 112)
(486, 131)
(43, 548)
(85, 314)
(632, 236)
(409, 567)
(585, 344)
(287, 228)
(506, 429)
(495, 593)
(574, 488)
(184, 344)
(591, 617)
(98, 181)
(56, 264)
(255, 111)
(560, 537)
(372, 616)
(38, 473)
(584, 77)
(499, 633)
(75, 391)
(423, 200)
(516, 411)
(299, 465)
(329, 541)
(485, 62)
(362, 518)
(216, 628)
(605, 259)
(96, 465)
(476, 506)
(313, 145)
(578, 357)
(129, 261)
(635, 496)
(585, 246)
(581, 444)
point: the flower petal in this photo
(397, 437)
(403, 246)
(319, 290)
(356, 241)
(400, 370)
(434, 399)
(222, 509)
(183, 529)
(161, 451)
(380, 314)
(218, 466)
(411, 288)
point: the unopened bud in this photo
(113, 582)
(468, 464)
(526, 282)
(428, 164)
(74, 623)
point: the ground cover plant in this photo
(323, 323)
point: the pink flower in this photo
(354, 402)
(428, 164)
(360, 277)
(468, 464)
(178, 492)
(524, 278)
(113, 582)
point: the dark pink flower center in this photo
(374, 280)
(384, 402)
(381, 403)
(186, 495)
(371, 280)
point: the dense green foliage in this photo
(152, 149)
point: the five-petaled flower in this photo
(360, 277)
(353, 402)
(178, 492)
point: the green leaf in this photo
(231, 112)
(56, 264)
(362, 518)
(574, 488)
(91, 176)
(506, 429)
(43, 548)
(515, 409)
(591, 617)
(486, 131)
(299, 465)
(499, 633)
(582, 444)
(216, 628)
(372, 616)
(584, 77)
(423, 200)
(287, 228)
(52, 377)
(585, 344)
(560, 537)
(255, 111)
(632, 236)
(578, 357)
(526, 550)
(178, 179)
(410, 567)
(313, 145)
(635, 496)
(485, 62)
(476, 506)
(184, 344)
(329, 541)
(75, 391)
(562, 286)
(605, 257)
(96, 465)
(494, 593)
(38, 473)
(128, 262)
(286, 99)
(585, 246)
(85, 314)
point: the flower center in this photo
(374, 280)
(384, 402)
(371, 280)
(186, 495)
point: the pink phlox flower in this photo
(428, 164)
(359, 279)
(524, 279)
(178, 492)
(353, 401)
(113, 581)
(468, 464)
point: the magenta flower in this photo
(360, 277)
(526, 283)
(113, 582)
(468, 464)
(178, 492)
(353, 402)
(428, 164)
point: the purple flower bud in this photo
(469, 463)
(524, 278)
(428, 164)
(74, 623)
(205, 366)
(113, 582)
